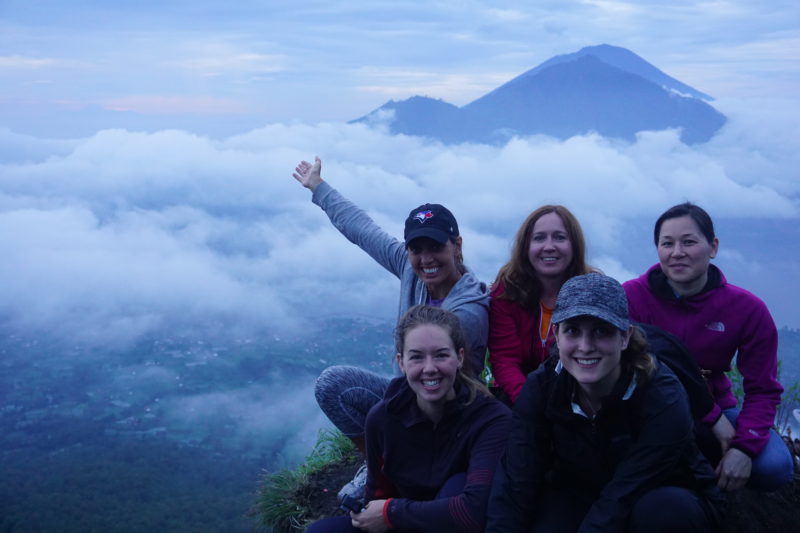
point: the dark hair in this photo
(460, 266)
(697, 213)
(427, 314)
(522, 284)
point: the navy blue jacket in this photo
(409, 458)
(638, 441)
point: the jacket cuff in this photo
(318, 194)
(745, 450)
(751, 445)
(713, 415)
(386, 514)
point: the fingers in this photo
(728, 479)
(729, 484)
(301, 171)
(307, 174)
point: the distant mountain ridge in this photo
(604, 89)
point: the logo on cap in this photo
(422, 216)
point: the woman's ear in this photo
(399, 358)
(626, 337)
(460, 357)
(714, 247)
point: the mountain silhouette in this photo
(603, 89)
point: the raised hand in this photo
(309, 175)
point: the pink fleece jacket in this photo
(720, 322)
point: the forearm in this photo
(757, 361)
(360, 229)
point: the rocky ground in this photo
(747, 511)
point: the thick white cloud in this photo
(117, 234)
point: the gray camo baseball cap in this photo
(594, 295)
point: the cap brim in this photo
(594, 312)
(431, 233)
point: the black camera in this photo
(349, 503)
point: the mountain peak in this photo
(605, 89)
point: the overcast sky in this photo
(250, 62)
(112, 233)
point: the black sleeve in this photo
(518, 478)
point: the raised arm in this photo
(350, 220)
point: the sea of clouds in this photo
(110, 236)
(108, 239)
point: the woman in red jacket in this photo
(548, 250)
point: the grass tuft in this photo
(283, 499)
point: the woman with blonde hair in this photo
(433, 441)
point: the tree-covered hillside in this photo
(169, 435)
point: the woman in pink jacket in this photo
(548, 250)
(689, 297)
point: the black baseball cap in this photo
(434, 221)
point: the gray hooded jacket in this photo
(468, 299)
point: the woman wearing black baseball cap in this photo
(430, 266)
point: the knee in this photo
(773, 468)
(328, 383)
(668, 509)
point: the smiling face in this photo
(684, 254)
(549, 249)
(436, 264)
(590, 349)
(430, 363)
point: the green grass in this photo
(282, 500)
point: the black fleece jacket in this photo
(636, 442)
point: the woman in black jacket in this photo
(433, 442)
(602, 437)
